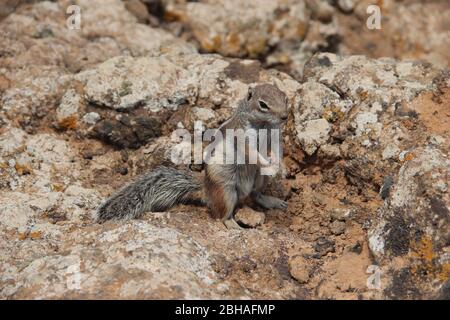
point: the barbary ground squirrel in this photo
(224, 185)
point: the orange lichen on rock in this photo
(23, 169)
(34, 235)
(428, 261)
(69, 122)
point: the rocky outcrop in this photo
(84, 111)
(370, 118)
(280, 32)
(409, 30)
(148, 262)
(412, 227)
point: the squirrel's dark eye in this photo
(263, 106)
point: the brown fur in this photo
(215, 195)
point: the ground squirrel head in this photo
(267, 103)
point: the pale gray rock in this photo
(294, 30)
(68, 109)
(347, 5)
(413, 223)
(148, 262)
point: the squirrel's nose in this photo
(284, 117)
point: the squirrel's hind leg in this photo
(230, 200)
(222, 201)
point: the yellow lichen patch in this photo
(34, 235)
(444, 275)
(363, 95)
(174, 15)
(22, 236)
(208, 44)
(23, 169)
(427, 260)
(233, 42)
(282, 58)
(332, 113)
(423, 249)
(409, 156)
(57, 187)
(69, 122)
(256, 47)
(302, 29)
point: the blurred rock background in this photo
(366, 147)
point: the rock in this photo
(249, 217)
(322, 10)
(247, 264)
(124, 83)
(11, 140)
(47, 149)
(323, 246)
(342, 214)
(299, 269)
(356, 248)
(81, 271)
(366, 148)
(413, 225)
(165, 81)
(91, 117)
(203, 114)
(15, 211)
(386, 187)
(215, 24)
(390, 152)
(342, 100)
(8, 6)
(138, 9)
(437, 140)
(23, 165)
(337, 227)
(314, 134)
(68, 110)
(237, 29)
(347, 5)
(422, 40)
(141, 93)
(127, 132)
(363, 121)
(44, 81)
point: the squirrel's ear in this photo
(250, 93)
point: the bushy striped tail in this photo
(157, 190)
